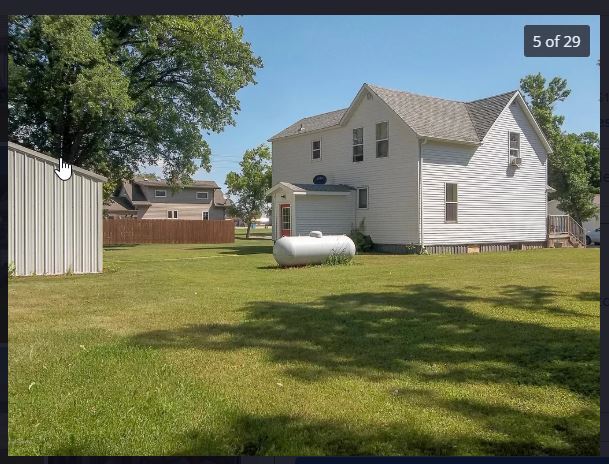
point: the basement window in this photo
(451, 203)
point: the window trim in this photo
(314, 150)
(518, 150)
(367, 197)
(357, 145)
(381, 140)
(175, 214)
(156, 191)
(203, 213)
(206, 196)
(456, 221)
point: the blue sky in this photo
(315, 64)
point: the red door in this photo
(285, 220)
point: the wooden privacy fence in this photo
(121, 231)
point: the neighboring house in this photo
(590, 224)
(144, 198)
(54, 226)
(416, 170)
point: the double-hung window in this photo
(316, 150)
(451, 202)
(362, 198)
(514, 145)
(382, 139)
(358, 144)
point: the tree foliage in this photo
(109, 93)
(574, 165)
(250, 185)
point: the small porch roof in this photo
(313, 189)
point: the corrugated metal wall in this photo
(55, 227)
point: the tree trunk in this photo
(249, 226)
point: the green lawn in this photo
(211, 349)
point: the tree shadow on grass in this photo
(374, 334)
(289, 435)
(434, 335)
(239, 249)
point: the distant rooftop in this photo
(163, 183)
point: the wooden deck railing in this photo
(564, 224)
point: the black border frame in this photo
(431, 7)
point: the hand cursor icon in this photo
(65, 170)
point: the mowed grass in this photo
(211, 349)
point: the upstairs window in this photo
(316, 149)
(160, 193)
(358, 144)
(202, 195)
(382, 139)
(514, 145)
(451, 203)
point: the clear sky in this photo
(315, 64)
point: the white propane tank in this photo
(314, 249)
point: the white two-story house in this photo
(411, 169)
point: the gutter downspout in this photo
(422, 142)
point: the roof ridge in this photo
(494, 96)
(417, 94)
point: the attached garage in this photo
(300, 208)
(54, 226)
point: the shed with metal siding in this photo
(55, 227)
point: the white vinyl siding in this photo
(332, 214)
(392, 214)
(496, 203)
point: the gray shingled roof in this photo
(312, 123)
(163, 183)
(485, 112)
(427, 116)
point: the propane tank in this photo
(315, 248)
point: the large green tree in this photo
(250, 185)
(574, 165)
(109, 93)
